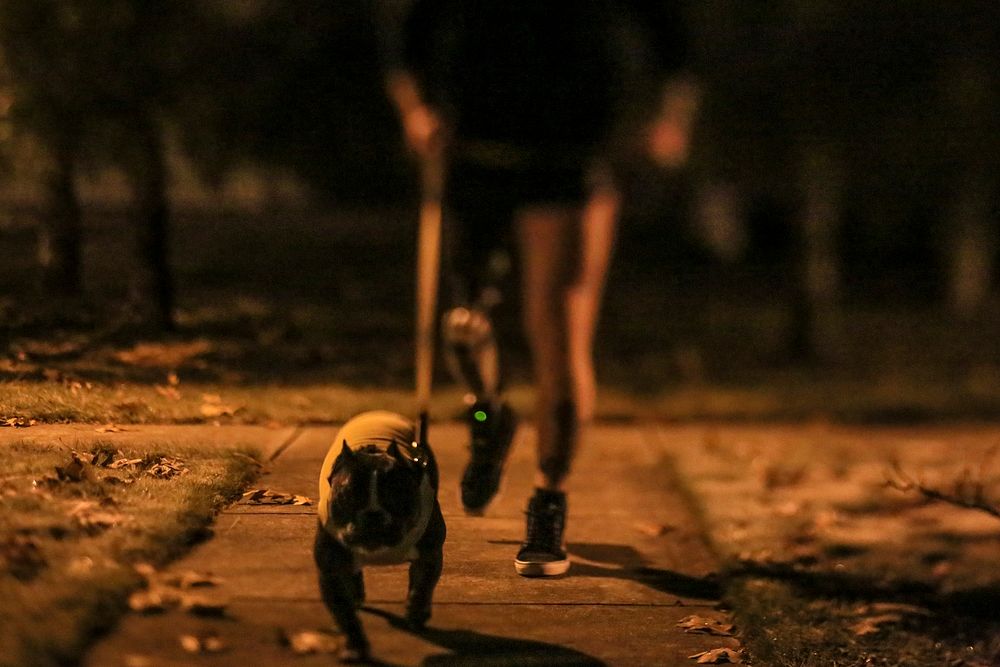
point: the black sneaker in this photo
(492, 433)
(543, 553)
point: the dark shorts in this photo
(480, 202)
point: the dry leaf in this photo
(268, 497)
(653, 529)
(192, 579)
(892, 608)
(212, 407)
(147, 601)
(311, 641)
(717, 656)
(163, 355)
(205, 642)
(166, 468)
(705, 626)
(137, 660)
(200, 605)
(873, 624)
(17, 422)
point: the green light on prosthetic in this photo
(479, 416)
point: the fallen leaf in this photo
(17, 422)
(652, 529)
(268, 497)
(147, 601)
(717, 656)
(124, 462)
(705, 626)
(192, 579)
(212, 406)
(137, 660)
(80, 566)
(873, 624)
(205, 642)
(200, 605)
(163, 355)
(166, 467)
(893, 608)
(311, 641)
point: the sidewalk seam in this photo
(299, 430)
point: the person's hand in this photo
(422, 131)
(668, 137)
(422, 128)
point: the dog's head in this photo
(375, 496)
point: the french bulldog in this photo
(377, 506)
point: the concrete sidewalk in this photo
(639, 566)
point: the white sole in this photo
(547, 569)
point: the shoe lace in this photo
(545, 526)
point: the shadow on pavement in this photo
(620, 561)
(476, 648)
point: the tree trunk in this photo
(154, 289)
(60, 235)
(972, 248)
(817, 326)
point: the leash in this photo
(428, 272)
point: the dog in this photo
(377, 506)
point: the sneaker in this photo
(492, 433)
(543, 553)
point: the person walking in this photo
(519, 100)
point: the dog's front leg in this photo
(338, 586)
(425, 572)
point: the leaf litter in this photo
(202, 642)
(306, 642)
(702, 625)
(717, 656)
(269, 497)
(176, 590)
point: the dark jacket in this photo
(526, 72)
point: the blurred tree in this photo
(91, 80)
(835, 107)
(296, 85)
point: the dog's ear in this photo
(344, 458)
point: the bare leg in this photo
(548, 241)
(600, 221)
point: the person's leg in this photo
(599, 224)
(476, 230)
(548, 242)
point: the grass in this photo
(813, 543)
(784, 626)
(308, 317)
(68, 547)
